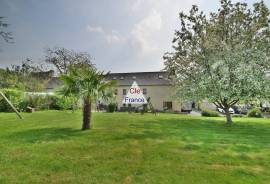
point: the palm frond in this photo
(87, 82)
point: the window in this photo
(124, 91)
(115, 91)
(134, 77)
(144, 91)
(160, 77)
(167, 105)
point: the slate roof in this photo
(142, 78)
(159, 78)
(53, 83)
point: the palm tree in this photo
(89, 85)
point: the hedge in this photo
(14, 95)
(209, 113)
(255, 113)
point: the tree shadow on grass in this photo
(44, 135)
(208, 131)
(139, 135)
(216, 131)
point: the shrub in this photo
(112, 107)
(145, 108)
(255, 113)
(39, 102)
(209, 113)
(23, 105)
(64, 103)
(15, 96)
(43, 102)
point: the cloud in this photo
(153, 31)
(147, 34)
(145, 31)
(136, 5)
(110, 37)
(113, 38)
(93, 29)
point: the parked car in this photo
(243, 109)
(265, 107)
(186, 107)
(237, 109)
(223, 112)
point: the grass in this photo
(48, 147)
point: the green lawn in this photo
(48, 147)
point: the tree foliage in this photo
(26, 77)
(222, 57)
(6, 35)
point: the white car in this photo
(223, 112)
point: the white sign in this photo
(134, 95)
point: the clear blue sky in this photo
(122, 35)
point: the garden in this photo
(221, 58)
(49, 147)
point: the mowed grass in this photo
(48, 147)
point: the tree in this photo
(88, 84)
(222, 57)
(26, 77)
(7, 36)
(62, 58)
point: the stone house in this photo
(155, 85)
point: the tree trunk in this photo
(228, 117)
(86, 114)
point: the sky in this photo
(120, 35)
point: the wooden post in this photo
(11, 105)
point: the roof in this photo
(53, 83)
(142, 78)
(159, 78)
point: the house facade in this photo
(155, 85)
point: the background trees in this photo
(26, 77)
(61, 58)
(223, 57)
(6, 35)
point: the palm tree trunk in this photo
(86, 113)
